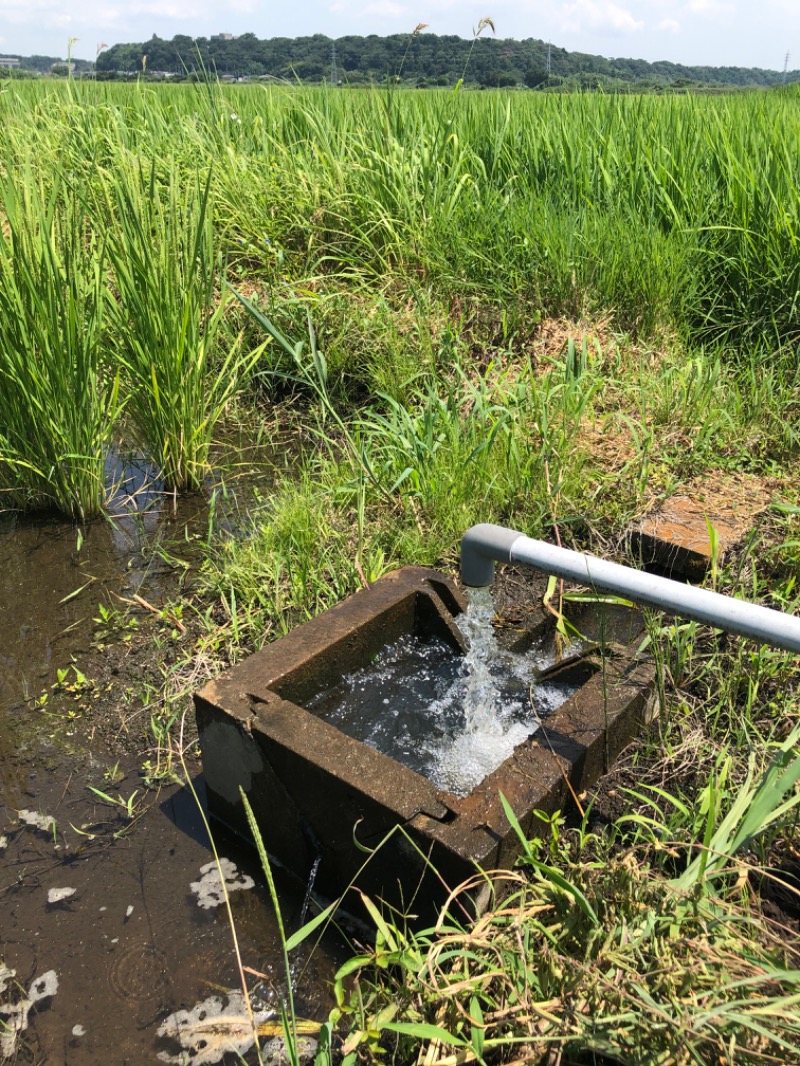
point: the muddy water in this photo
(100, 896)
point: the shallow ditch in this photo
(97, 895)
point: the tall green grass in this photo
(681, 211)
(167, 322)
(666, 217)
(57, 401)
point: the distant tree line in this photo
(423, 59)
(43, 65)
(420, 59)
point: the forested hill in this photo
(419, 59)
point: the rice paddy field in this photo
(550, 312)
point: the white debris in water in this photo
(15, 1015)
(14, 1021)
(78, 1030)
(43, 987)
(210, 1030)
(212, 888)
(55, 895)
(45, 822)
(275, 1052)
(3, 842)
(5, 976)
(129, 911)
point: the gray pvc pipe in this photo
(485, 544)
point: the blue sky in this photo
(712, 32)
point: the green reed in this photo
(680, 212)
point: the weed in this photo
(128, 807)
(591, 952)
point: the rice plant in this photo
(57, 403)
(179, 373)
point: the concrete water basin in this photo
(319, 793)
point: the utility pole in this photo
(549, 50)
(334, 71)
(786, 66)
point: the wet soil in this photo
(129, 942)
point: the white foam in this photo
(494, 722)
(5, 976)
(55, 895)
(212, 888)
(45, 822)
(43, 987)
(210, 1030)
(15, 1015)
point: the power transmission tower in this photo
(334, 71)
(786, 66)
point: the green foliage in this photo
(57, 405)
(424, 235)
(168, 319)
(417, 57)
(591, 950)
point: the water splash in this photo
(312, 877)
(454, 719)
(491, 691)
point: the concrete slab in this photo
(318, 793)
(676, 537)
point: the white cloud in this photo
(598, 15)
(386, 9)
(709, 7)
(690, 31)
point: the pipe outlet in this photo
(481, 547)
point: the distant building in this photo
(8, 61)
(223, 37)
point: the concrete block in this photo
(676, 538)
(317, 792)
